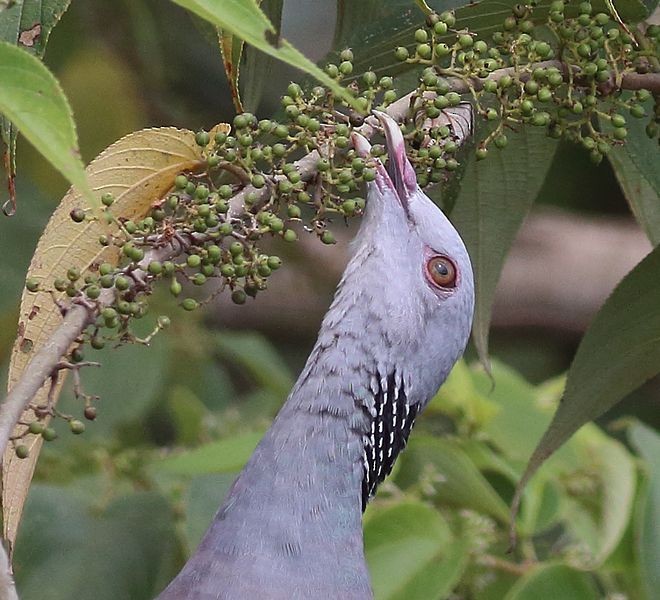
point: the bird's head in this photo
(412, 270)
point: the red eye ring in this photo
(441, 272)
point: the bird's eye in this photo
(442, 272)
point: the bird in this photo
(290, 527)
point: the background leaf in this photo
(455, 480)
(640, 194)
(124, 550)
(493, 202)
(225, 456)
(412, 554)
(552, 582)
(611, 361)
(32, 99)
(647, 442)
(26, 24)
(246, 20)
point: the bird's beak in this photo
(399, 176)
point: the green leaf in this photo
(647, 443)
(225, 456)
(32, 99)
(256, 355)
(495, 197)
(127, 383)
(68, 550)
(412, 554)
(460, 398)
(454, 478)
(642, 150)
(639, 193)
(519, 422)
(245, 19)
(619, 352)
(188, 413)
(201, 501)
(26, 24)
(257, 65)
(552, 582)
(600, 529)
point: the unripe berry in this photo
(107, 199)
(424, 51)
(620, 133)
(22, 451)
(238, 297)
(421, 36)
(49, 434)
(401, 53)
(202, 138)
(328, 238)
(500, 141)
(189, 304)
(290, 235)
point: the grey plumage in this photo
(290, 528)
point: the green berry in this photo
(199, 279)
(481, 153)
(290, 235)
(36, 428)
(442, 50)
(238, 297)
(440, 28)
(328, 238)
(193, 261)
(421, 36)
(175, 288)
(401, 53)
(620, 133)
(202, 138)
(155, 267)
(293, 211)
(97, 343)
(73, 274)
(49, 434)
(465, 40)
(107, 199)
(93, 292)
(346, 67)
(637, 111)
(180, 182)
(424, 51)
(122, 283)
(531, 87)
(22, 451)
(500, 141)
(32, 284)
(448, 18)
(346, 54)
(189, 304)
(274, 262)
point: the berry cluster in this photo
(570, 84)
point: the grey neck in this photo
(291, 525)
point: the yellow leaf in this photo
(137, 170)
